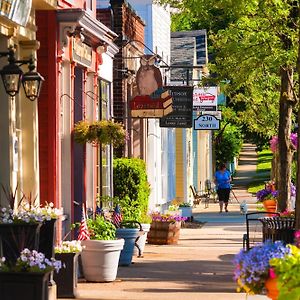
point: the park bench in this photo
(256, 229)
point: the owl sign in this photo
(152, 100)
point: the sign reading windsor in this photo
(206, 122)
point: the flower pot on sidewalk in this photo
(272, 290)
(15, 237)
(164, 233)
(100, 259)
(129, 235)
(141, 241)
(66, 279)
(25, 286)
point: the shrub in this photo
(229, 144)
(101, 229)
(131, 187)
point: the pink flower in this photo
(272, 273)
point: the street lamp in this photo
(12, 76)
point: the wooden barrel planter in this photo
(164, 233)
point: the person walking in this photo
(222, 182)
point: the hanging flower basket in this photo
(102, 132)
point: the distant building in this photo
(193, 148)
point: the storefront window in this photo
(104, 153)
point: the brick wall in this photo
(124, 21)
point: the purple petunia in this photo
(252, 267)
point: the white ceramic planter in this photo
(186, 211)
(100, 259)
(142, 239)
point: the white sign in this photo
(205, 99)
(217, 114)
(206, 122)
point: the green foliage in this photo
(263, 168)
(103, 132)
(101, 229)
(294, 171)
(131, 187)
(287, 271)
(228, 143)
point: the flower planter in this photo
(186, 212)
(164, 233)
(141, 241)
(66, 279)
(272, 290)
(129, 235)
(15, 237)
(270, 205)
(47, 235)
(100, 259)
(25, 286)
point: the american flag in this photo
(117, 216)
(83, 229)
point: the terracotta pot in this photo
(270, 205)
(272, 290)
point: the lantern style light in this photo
(32, 83)
(12, 76)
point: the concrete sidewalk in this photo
(199, 267)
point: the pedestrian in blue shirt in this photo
(222, 181)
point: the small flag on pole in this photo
(117, 216)
(83, 229)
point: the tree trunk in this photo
(297, 210)
(284, 132)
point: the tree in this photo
(259, 41)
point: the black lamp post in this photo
(12, 75)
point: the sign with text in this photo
(217, 114)
(206, 122)
(81, 53)
(205, 98)
(182, 115)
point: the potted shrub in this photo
(67, 252)
(27, 278)
(100, 255)
(253, 267)
(186, 210)
(164, 229)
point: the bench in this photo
(199, 198)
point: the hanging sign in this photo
(206, 122)
(205, 99)
(153, 100)
(217, 114)
(182, 115)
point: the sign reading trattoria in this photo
(182, 115)
(205, 98)
(206, 122)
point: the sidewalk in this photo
(199, 267)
